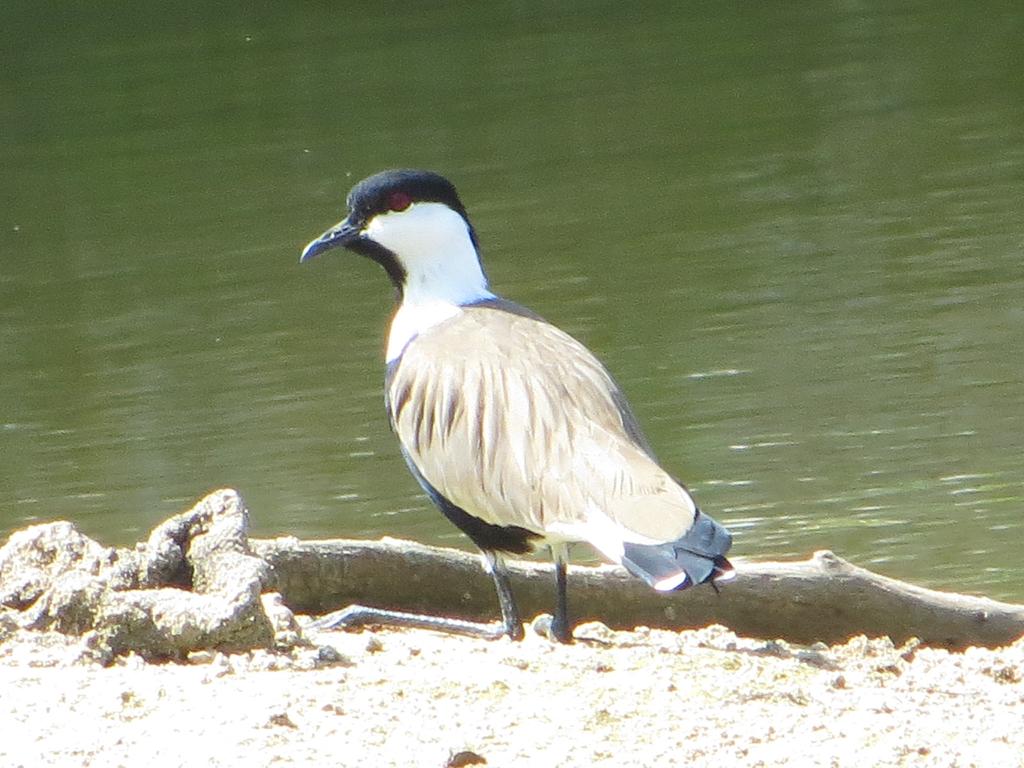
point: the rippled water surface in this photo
(793, 232)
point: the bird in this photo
(512, 427)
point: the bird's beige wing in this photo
(517, 423)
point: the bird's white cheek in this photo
(421, 233)
(435, 249)
(393, 232)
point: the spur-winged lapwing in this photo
(512, 427)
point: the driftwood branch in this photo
(822, 599)
(199, 582)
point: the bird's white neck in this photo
(442, 268)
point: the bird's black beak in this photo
(339, 236)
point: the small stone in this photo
(328, 655)
(595, 631)
(282, 720)
(541, 624)
(909, 649)
(464, 758)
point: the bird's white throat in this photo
(442, 268)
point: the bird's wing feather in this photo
(517, 423)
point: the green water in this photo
(793, 231)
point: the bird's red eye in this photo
(399, 201)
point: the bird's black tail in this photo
(696, 557)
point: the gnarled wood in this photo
(822, 599)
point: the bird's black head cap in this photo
(395, 189)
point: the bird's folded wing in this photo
(517, 423)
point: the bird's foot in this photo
(548, 626)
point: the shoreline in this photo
(414, 697)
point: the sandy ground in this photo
(413, 698)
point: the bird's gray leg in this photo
(561, 629)
(359, 615)
(506, 600)
(557, 627)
